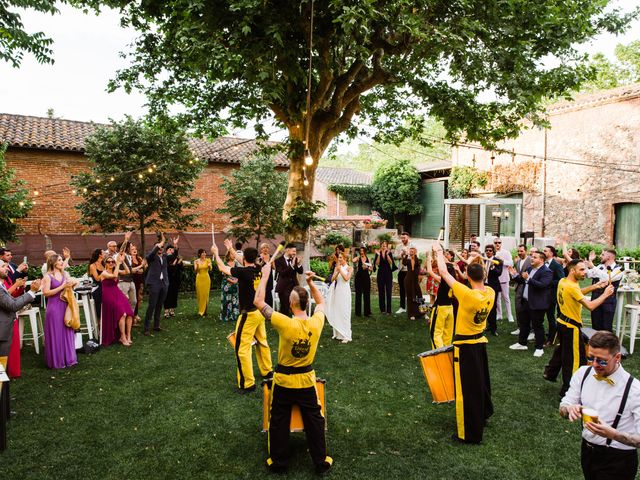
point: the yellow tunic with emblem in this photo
(569, 296)
(473, 308)
(298, 345)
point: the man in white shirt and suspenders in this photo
(607, 398)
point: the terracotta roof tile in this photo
(68, 135)
(342, 176)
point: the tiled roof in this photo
(587, 100)
(342, 176)
(434, 166)
(68, 135)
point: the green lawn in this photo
(167, 408)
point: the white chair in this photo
(37, 330)
(633, 311)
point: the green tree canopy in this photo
(395, 188)
(14, 200)
(624, 70)
(383, 64)
(142, 177)
(256, 192)
(14, 40)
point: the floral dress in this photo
(230, 307)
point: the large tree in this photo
(14, 200)
(256, 192)
(396, 189)
(15, 40)
(379, 63)
(142, 177)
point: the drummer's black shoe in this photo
(244, 391)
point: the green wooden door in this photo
(627, 229)
(428, 223)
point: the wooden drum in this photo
(437, 366)
(296, 424)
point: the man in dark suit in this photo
(522, 262)
(558, 273)
(536, 295)
(15, 271)
(287, 267)
(493, 269)
(156, 284)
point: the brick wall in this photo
(322, 193)
(54, 211)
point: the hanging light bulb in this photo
(84, 190)
(97, 180)
(150, 170)
(308, 159)
(140, 176)
(21, 204)
(36, 193)
(305, 182)
(112, 179)
(74, 192)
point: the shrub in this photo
(320, 267)
(335, 238)
(385, 237)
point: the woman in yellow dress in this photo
(202, 266)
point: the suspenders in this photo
(623, 402)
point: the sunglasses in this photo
(497, 243)
(110, 261)
(599, 361)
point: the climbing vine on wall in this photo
(353, 193)
(465, 179)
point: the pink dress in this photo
(59, 340)
(114, 305)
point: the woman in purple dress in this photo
(117, 314)
(59, 344)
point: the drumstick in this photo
(322, 279)
(213, 238)
(278, 251)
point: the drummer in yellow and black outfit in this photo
(294, 381)
(470, 363)
(569, 355)
(250, 324)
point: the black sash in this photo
(458, 338)
(570, 321)
(293, 370)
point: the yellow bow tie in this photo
(602, 378)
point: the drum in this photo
(437, 366)
(296, 424)
(231, 338)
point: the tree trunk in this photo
(143, 252)
(297, 189)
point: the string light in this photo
(98, 180)
(140, 176)
(84, 190)
(112, 179)
(21, 204)
(308, 159)
(150, 170)
(73, 192)
(36, 193)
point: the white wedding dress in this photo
(338, 309)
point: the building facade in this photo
(580, 177)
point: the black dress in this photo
(412, 287)
(175, 279)
(363, 286)
(384, 279)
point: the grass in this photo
(167, 408)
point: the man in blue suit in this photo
(558, 273)
(536, 297)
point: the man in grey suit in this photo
(9, 306)
(521, 263)
(156, 284)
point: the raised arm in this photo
(315, 293)
(442, 265)
(258, 299)
(596, 286)
(430, 271)
(226, 269)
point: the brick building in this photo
(579, 177)
(337, 207)
(46, 152)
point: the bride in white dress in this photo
(338, 306)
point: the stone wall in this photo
(575, 190)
